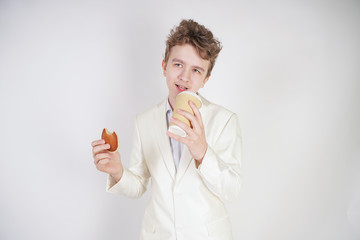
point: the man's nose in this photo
(185, 75)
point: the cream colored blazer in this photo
(187, 204)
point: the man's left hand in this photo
(195, 139)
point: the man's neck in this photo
(172, 108)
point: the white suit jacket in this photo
(187, 204)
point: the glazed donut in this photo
(110, 138)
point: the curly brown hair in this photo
(191, 32)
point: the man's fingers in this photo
(177, 138)
(101, 165)
(194, 121)
(197, 113)
(100, 148)
(101, 156)
(104, 161)
(97, 142)
(182, 125)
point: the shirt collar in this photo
(168, 107)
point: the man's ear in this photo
(205, 81)
(163, 64)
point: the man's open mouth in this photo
(181, 88)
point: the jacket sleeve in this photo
(135, 178)
(220, 168)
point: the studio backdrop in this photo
(288, 69)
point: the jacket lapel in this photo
(163, 140)
(185, 162)
(204, 111)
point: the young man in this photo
(191, 176)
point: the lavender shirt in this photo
(176, 146)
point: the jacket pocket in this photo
(148, 229)
(220, 229)
(148, 223)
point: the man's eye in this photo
(197, 71)
(178, 65)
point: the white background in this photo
(289, 69)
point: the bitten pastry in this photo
(110, 138)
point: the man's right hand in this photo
(106, 161)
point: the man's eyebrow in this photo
(182, 62)
(177, 60)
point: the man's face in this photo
(184, 70)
